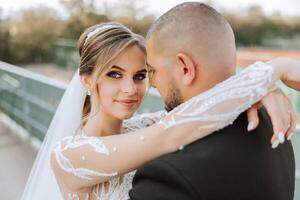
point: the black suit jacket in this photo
(231, 164)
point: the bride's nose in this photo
(129, 86)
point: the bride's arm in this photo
(143, 120)
(83, 161)
(290, 71)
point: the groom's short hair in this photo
(195, 27)
(184, 11)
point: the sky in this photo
(158, 7)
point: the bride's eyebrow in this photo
(123, 70)
(142, 71)
(119, 68)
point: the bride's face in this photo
(122, 88)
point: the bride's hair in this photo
(99, 45)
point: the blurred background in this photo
(38, 57)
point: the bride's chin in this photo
(125, 115)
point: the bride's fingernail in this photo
(290, 136)
(280, 137)
(275, 144)
(250, 126)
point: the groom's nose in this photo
(151, 82)
(152, 85)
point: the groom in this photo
(190, 49)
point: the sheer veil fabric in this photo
(41, 183)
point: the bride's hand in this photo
(282, 115)
(288, 71)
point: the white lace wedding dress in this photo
(117, 187)
(212, 110)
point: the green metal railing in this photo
(65, 53)
(28, 98)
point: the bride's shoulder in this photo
(143, 120)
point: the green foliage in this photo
(76, 24)
(139, 26)
(253, 27)
(5, 43)
(29, 36)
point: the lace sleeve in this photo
(143, 120)
(221, 105)
(83, 161)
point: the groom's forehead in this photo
(153, 53)
(149, 55)
(149, 65)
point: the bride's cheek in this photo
(108, 92)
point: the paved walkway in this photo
(16, 159)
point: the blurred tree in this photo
(139, 26)
(32, 33)
(83, 14)
(5, 44)
(4, 39)
(254, 26)
(133, 9)
(77, 23)
(26, 35)
(78, 6)
(131, 13)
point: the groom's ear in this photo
(187, 68)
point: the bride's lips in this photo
(128, 103)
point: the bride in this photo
(96, 142)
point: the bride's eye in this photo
(139, 77)
(114, 74)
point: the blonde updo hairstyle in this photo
(99, 45)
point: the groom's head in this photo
(190, 48)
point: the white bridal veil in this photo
(41, 183)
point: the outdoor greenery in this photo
(26, 36)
